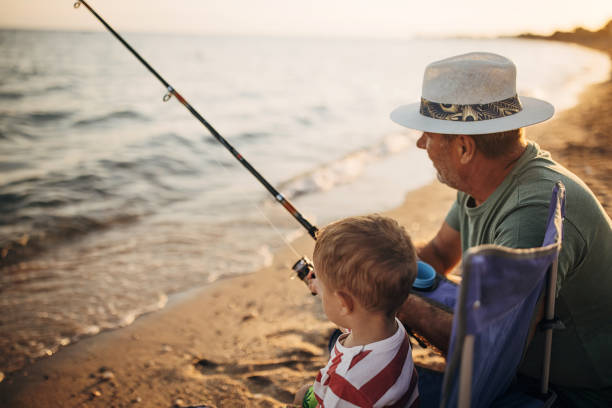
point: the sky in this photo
(328, 18)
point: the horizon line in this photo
(279, 35)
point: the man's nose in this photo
(422, 141)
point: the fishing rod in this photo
(302, 267)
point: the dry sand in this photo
(252, 341)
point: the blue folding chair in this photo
(492, 316)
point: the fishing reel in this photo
(304, 270)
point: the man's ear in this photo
(346, 301)
(465, 147)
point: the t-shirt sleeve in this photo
(452, 218)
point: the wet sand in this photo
(252, 341)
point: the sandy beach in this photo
(252, 341)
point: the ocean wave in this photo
(347, 168)
(152, 166)
(15, 132)
(48, 231)
(20, 92)
(39, 213)
(109, 117)
(252, 135)
(169, 139)
(9, 166)
(59, 87)
(34, 197)
(22, 181)
(246, 136)
(80, 182)
(44, 117)
(10, 199)
(11, 95)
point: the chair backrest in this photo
(497, 298)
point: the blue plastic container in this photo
(426, 276)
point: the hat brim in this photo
(534, 111)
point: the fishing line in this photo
(261, 211)
(303, 267)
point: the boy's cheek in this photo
(314, 285)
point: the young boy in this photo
(364, 267)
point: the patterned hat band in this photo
(469, 113)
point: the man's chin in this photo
(445, 181)
(442, 179)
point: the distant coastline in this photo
(600, 39)
(585, 155)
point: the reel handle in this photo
(304, 270)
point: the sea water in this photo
(111, 200)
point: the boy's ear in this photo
(346, 301)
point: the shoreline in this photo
(259, 335)
(252, 340)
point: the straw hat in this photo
(471, 94)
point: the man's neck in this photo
(488, 174)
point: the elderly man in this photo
(473, 123)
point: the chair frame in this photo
(464, 349)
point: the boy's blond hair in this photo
(371, 257)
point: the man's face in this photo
(439, 149)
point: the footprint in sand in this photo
(299, 355)
(277, 378)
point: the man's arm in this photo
(443, 252)
(432, 323)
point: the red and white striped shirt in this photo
(380, 374)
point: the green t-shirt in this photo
(515, 216)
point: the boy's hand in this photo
(299, 395)
(311, 282)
